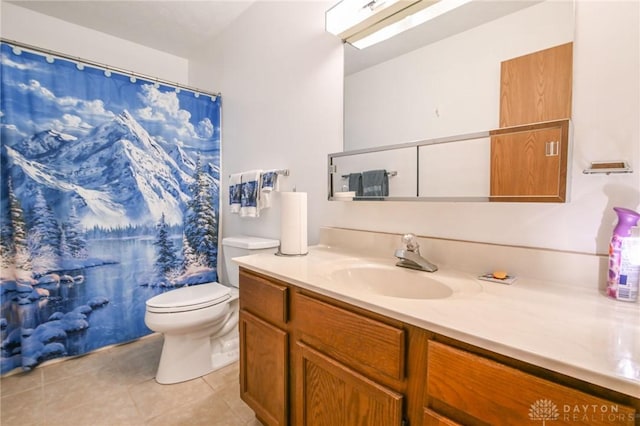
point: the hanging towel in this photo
(250, 195)
(375, 183)
(234, 192)
(269, 184)
(355, 183)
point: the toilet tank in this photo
(243, 245)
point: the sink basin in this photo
(392, 281)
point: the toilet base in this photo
(184, 358)
(187, 357)
(226, 351)
(222, 360)
(203, 342)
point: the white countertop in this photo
(577, 332)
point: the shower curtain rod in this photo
(105, 67)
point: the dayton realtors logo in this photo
(545, 410)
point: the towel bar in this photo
(283, 172)
(390, 174)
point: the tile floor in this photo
(115, 387)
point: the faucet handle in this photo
(410, 241)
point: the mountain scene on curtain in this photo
(109, 196)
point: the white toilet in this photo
(199, 322)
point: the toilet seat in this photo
(189, 298)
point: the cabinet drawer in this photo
(263, 297)
(362, 343)
(499, 395)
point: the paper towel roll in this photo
(293, 223)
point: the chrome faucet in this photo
(410, 256)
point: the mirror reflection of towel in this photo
(375, 183)
(355, 183)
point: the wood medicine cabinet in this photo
(532, 165)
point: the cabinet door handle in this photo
(551, 148)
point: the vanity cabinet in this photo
(307, 359)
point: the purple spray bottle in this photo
(622, 283)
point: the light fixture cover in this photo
(363, 24)
(348, 17)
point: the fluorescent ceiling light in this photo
(406, 19)
(349, 17)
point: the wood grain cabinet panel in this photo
(493, 393)
(264, 353)
(537, 87)
(531, 163)
(332, 394)
(362, 343)
(263, 297)
(431, 418)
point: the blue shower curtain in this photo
(109, 196)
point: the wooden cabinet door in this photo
(530, 164)
(330, 394)
(264, 369)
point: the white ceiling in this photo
(176, 27)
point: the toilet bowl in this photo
(200, 322)
(195, 322)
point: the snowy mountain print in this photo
(109, 193)
(117, 175)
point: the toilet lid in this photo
(189, 298)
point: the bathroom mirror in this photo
(439, 80)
